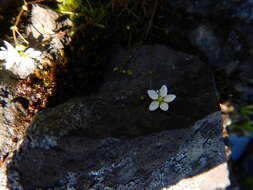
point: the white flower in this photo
(19, 56)
(160, 99)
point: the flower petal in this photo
(152, 94)
(9, 46)
(27, 62)
(169, 98)
(12, 58)
(153, 106)
(9, 63)
(12, 53)
(163, 91)
(32, 53)
(164, 106)
(3, 55)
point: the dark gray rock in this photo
(120, 108)
(12, 111)
(110, 140)
(12, 122)
(204, 38)
(221, 30)
(245, 10)
(226, 8)
(204, 7)
(149, 162)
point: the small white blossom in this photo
(19, 56)
(160, 99)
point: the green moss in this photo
(243, 123)
(121, 70)
(70, 5)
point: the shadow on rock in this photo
(110, 140)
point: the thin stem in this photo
(22, 37)
(18, 17)
(15, 26)
(14, 36)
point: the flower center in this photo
(160, 99)
(22, 54)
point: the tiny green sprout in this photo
(129, 72)
(142, 97)
(160, 99)
(115, 69)
(123, 71)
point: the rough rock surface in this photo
(147, 162)
(120, 107)
(12, 123)
(15, 116)
(13, 107)
(109, 140)
(222, 32)
(12, 110)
